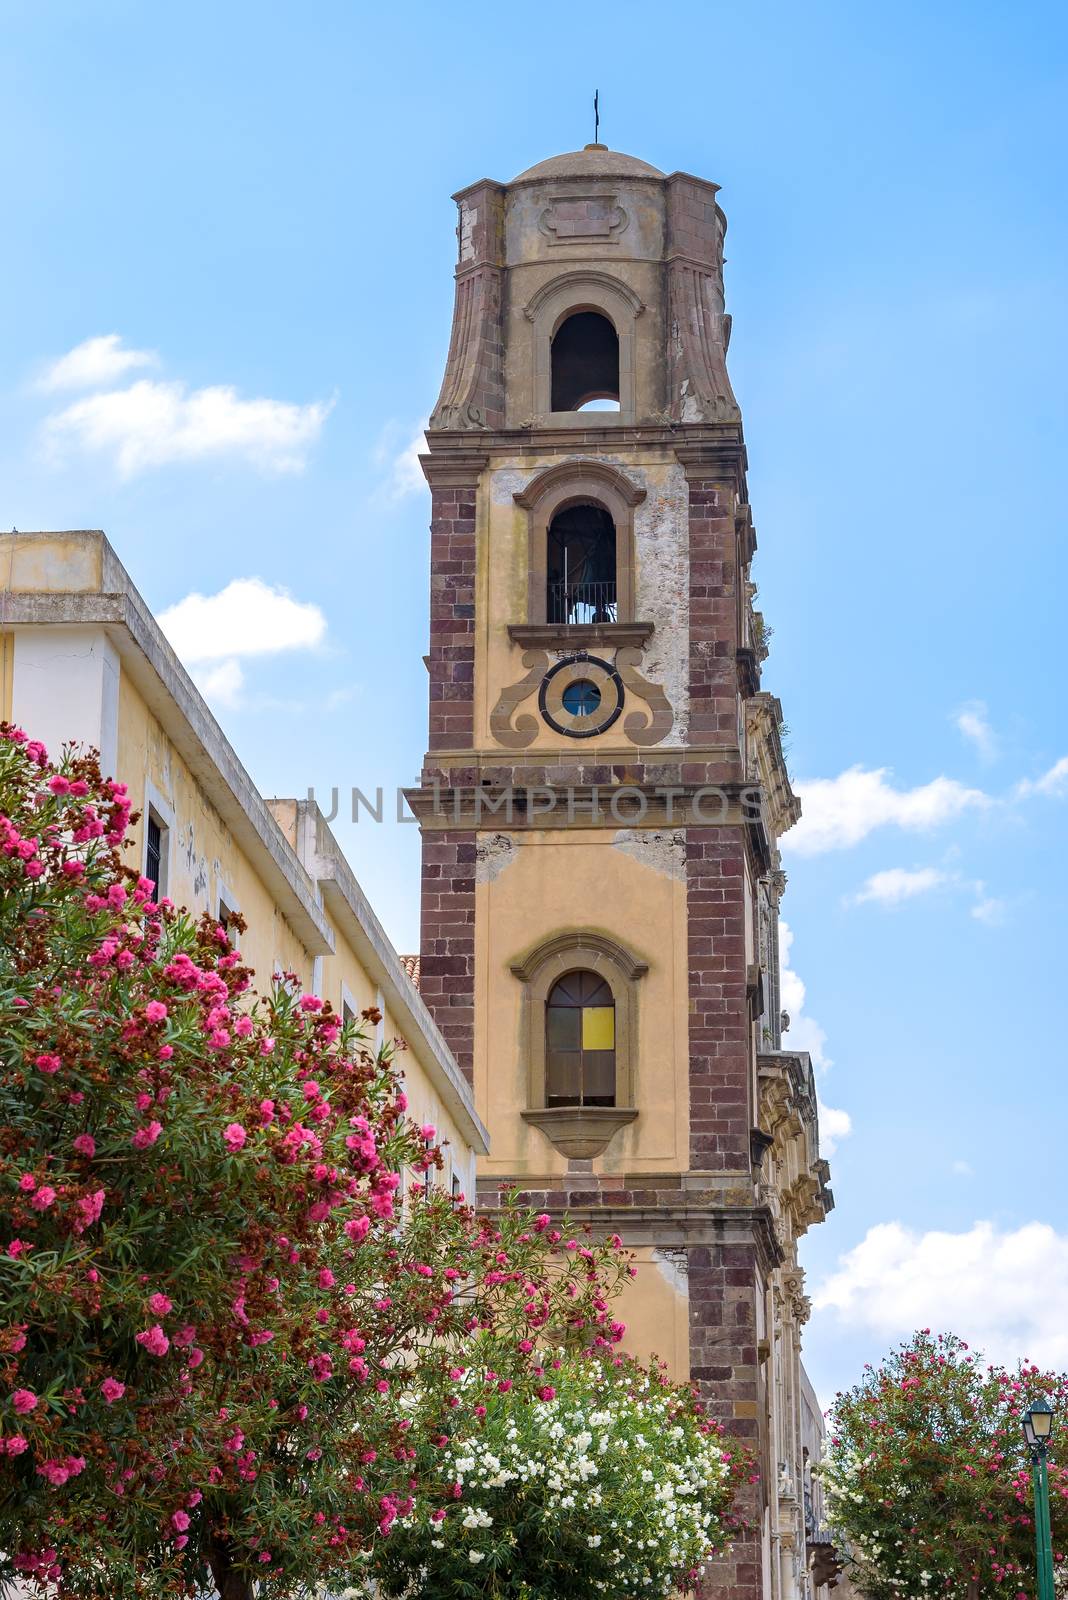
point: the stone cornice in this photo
(675, 1226)
(456, 470)
(578, 635)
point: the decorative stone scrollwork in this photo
(517, 735)
(613, 680)
(657, 724)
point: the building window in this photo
(580, 1039)
(154, 832)
(580, 1042)
(156, 841)
(581, 566)
(580, 544)
(226, 911)
(585, 363)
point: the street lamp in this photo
(1037, 1424)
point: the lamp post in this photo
(1037, 1425)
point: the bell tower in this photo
(604, 784)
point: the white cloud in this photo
(963, 1169)
(972, 722)
(222, 684)
(403, 474)
(988, 909)
(247, 618)
(94, 363)
(1053, 783)
(151, 424)
(805, 1033)
(839, 812)
(895, 884)
(979, 1284)
(835, 1126)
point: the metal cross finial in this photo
(597, 116)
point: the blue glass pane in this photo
(581, 698)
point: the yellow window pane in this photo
(598, 1027)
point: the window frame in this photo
(578, 483)
(161, 812)
(572, 951)
(549, 308)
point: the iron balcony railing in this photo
(582, 602)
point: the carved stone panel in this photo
(583, 219)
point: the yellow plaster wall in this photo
(655, 1307)
(559, 880)
(204, 858)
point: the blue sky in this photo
(254, 199)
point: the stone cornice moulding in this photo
(459, 469)
(583, 279)
(577, 940)
(581, 467)
(566, 636)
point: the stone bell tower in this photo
(605, 785)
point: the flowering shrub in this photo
(608, 1481)
(928, 1480)
(213, 1307)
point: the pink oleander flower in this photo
(243, 1027)
(43, 1198)
(165, 1052)
(159, 1304)
(85, 1145)
(194, 1358)
(266, 1047)
(179, 1521)
(310, 1002)
(27, 1183)
(146, 1136)
(320, 1367)
(16, 1445)
(234, 1137)
(428, 1132)
(89, 1208)
(59, 784)
(185, 1335)
(547, 1392)
(326, 1279)
(48, 1064)
(112, 1390)
(154, 1340)
(24, 1401)
(155, 1011)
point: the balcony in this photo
(570, 604)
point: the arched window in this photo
(581, 566)
(580, 1042)
(585, 363)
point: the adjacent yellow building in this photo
(82, 659)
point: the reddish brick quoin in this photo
(713, 613)
(720, 1115)
(447, 948)
(452, 616)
